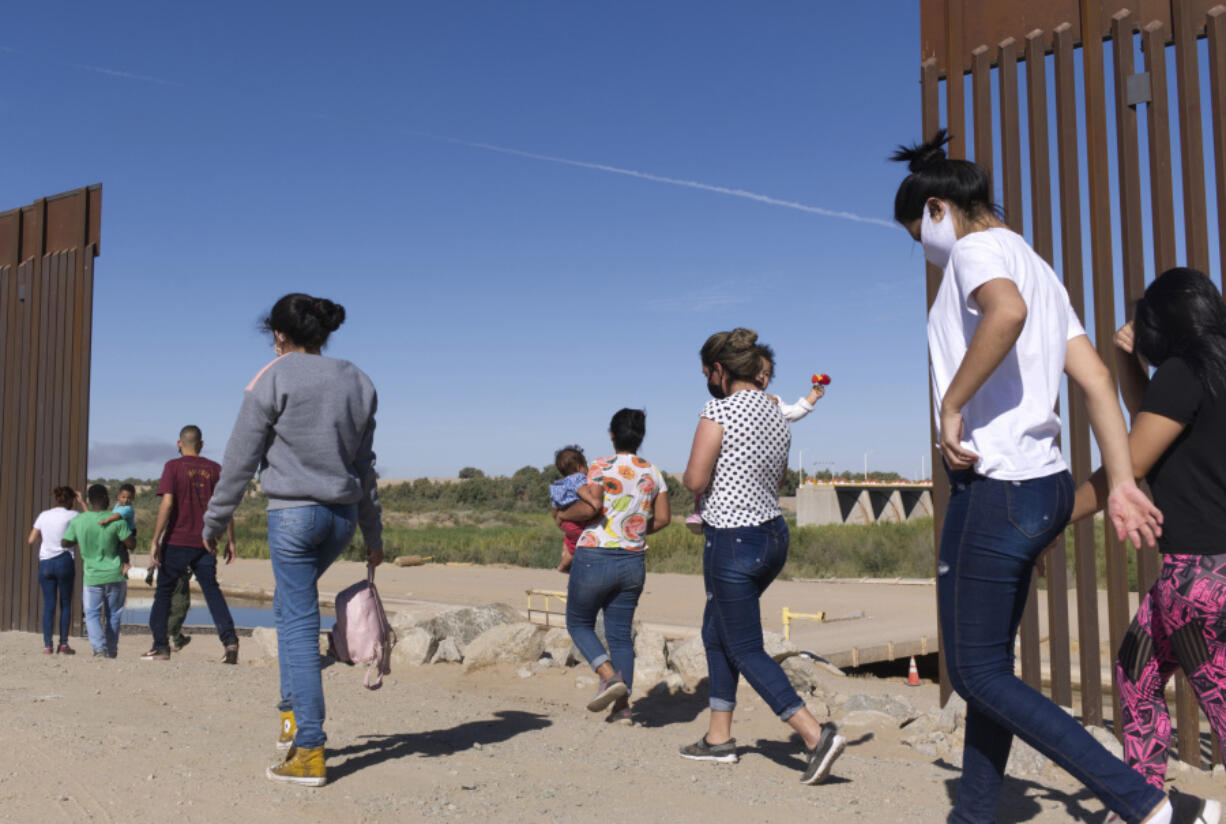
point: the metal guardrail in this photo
(546, 594)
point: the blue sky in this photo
(396, 158)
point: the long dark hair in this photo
(960, 182)
(1182, 315)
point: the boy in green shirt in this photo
(181, 600)
(104, 556)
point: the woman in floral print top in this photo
(608, 570)
(630, 486)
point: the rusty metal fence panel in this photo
(1041, 39)
(47, 251)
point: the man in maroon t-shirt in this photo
(186, 486)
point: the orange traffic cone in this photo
(913, 674)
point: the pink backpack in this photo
(362, 634)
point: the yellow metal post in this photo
(789, 616)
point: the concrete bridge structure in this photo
(862, 503)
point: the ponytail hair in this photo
(932, 174)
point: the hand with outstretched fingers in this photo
(1134, 515)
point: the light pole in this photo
(866, 454)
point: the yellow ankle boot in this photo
(305, 767)
(285, 741)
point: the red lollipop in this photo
(822, 378)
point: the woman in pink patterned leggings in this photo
(1178, 442)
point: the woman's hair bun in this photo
(738, 351)
(305, 319)
(742, 337)
(923, 155)
(331, 315)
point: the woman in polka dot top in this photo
(738, 462)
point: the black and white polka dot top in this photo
(744, 488)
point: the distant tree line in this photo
(845, 475)
(526, 490)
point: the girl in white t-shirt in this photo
(56, 568)
(1001, 332)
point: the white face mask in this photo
(937, 237)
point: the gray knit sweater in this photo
(307, 423)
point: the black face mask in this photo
(716, 390)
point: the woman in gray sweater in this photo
(307, 424)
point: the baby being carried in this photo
(571, 488)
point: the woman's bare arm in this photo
(1150, 437)
(1134, 380)
(1133, 515)
(589, 505)
(708, 439)
(661, 513)
(1004, 316)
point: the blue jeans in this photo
(612, 580)
(56, 576)
(103, 630)
(176, 561)
(992, 534)
(737, 567)
(303, 541)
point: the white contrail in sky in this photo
(691, 184)
(124, 75)
(582, 164)
(103, 70)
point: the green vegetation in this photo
(504, 520)
(533, 540)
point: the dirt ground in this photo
(127, 740)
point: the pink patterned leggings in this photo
(1181, 622)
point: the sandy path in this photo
(133, 741)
